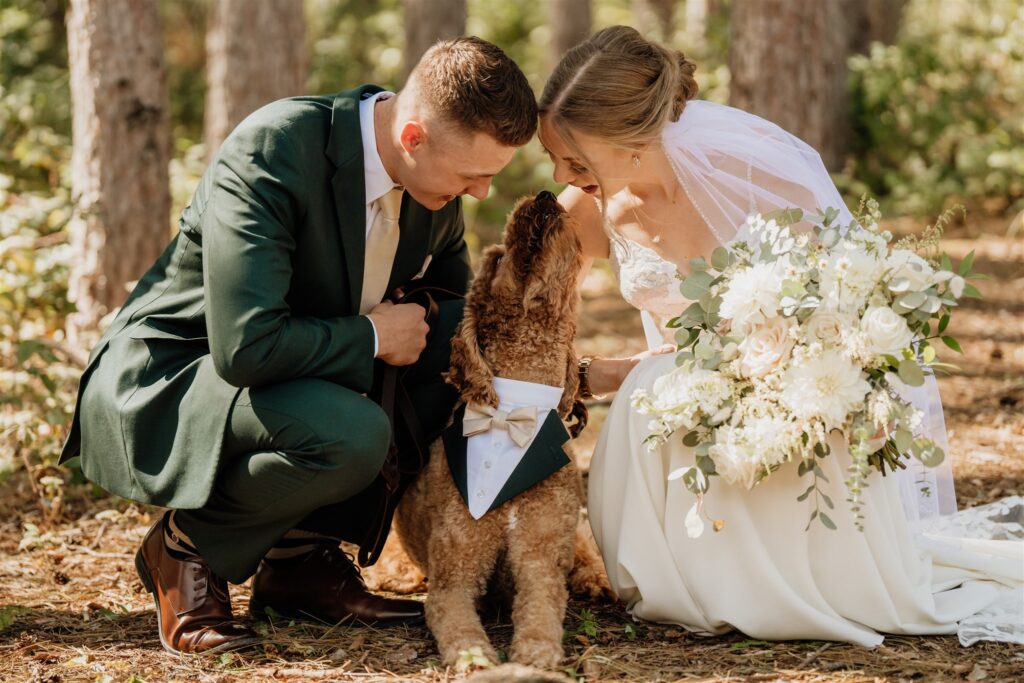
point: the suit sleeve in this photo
(248, 231)
(450, 268)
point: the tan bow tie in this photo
(520, 423)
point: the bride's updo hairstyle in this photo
(619, 87)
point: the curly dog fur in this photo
(520, 320)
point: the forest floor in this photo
(72, 608)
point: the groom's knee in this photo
(357, 443)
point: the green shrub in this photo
(939, 116)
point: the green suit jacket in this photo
(261, 285)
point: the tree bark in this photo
(787, 60)
(255, 54)
(655, 18)
(571, 23)
(428, 21)
(121, 150)
(695, 25)
(868, 21)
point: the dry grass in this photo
(72, 609)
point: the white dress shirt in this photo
(377, 181)
(492, 457)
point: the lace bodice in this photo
(647, 281)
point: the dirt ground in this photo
(72, 608)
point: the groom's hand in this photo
(401, 332)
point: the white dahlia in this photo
(828, 387)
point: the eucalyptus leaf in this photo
(720, 258)
(691, 439)
(706, 465)
(928, 355)
(904, 440)
(803, 496)
(900, 284)
(910, 372)
(696, 285)
(912, 300)
(827, 521)
(932, 456)
(697, 263)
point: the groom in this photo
(232, 387)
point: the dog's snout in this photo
(545, 196)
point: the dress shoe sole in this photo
(259, 611)
(147, 582)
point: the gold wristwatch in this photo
(584, 373)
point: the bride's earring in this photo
(636, 161)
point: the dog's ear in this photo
(469, 372)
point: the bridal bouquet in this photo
(795, 334)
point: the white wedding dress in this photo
(913, 570)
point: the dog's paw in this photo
(541, 654)
(469, 658)
(591, 582)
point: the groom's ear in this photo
(413, 136)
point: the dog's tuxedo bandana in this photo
(496, 463)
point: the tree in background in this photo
(428, 21)
(656, 18)
(255, 54)
(570, 25)
(120, 152)
(869, 21)
(787, 60)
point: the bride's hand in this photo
(608, 374)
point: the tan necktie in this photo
(381, 245)
(520, 423)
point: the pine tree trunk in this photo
(655, 18)
(695, 25)
(868, 21)
(428, 21)
(121, 149)
(255, 54)
(787, 60)
(571, 22)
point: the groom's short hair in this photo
(475, 85)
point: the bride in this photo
(656, 178)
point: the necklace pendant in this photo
(656, 239)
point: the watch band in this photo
(584, 374)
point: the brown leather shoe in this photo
(193, 609)
(324, 584)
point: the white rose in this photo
(827, 326)
(766, 347)
(737, 461)
(887, 332)
(904, 263)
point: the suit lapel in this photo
(345, 150)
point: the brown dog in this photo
(519, 324)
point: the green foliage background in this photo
(938, 118)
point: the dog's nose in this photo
(545, 196)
